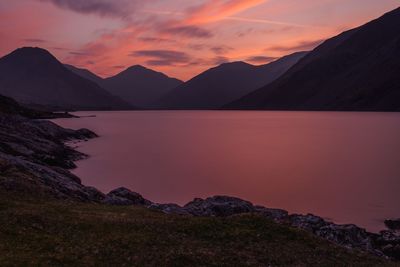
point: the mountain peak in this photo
(236, 64)
(138, 68)
(31, 52)
(32, 75)
(32, 57)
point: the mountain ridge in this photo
(139, 85)
(358, 70)
(217, 86)
(33, 76)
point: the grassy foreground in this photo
(60, 233)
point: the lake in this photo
(342, 166)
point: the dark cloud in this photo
(162, 57)
(260, 59)
(33, 40)
(118, 67)
(59, 48)
(220, 50)
(111, 8)
(188, 31)
(155, 40)
(197, 46)
(301, 46)
(219, 60)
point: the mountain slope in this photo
(227, 82)
(357, 70)
(140, 86)
(34, 76)
(85, 74)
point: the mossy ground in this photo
(60, 233)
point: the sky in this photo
(181, 38)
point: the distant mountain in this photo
(87, 74)
(140, 86)
(33, 76)
(225, 83)
(357, 70)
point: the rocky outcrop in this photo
(34, 159)
(218, 206)
(387, 243)
(277, 215)
(393, 224)
(123, 196)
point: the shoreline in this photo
(45, 172)
(347, 235)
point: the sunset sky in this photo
(178, 37)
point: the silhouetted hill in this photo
(33, 76)
(11, 108)
(87, 74)
(357, 70)
(227, 82)
(140, 86)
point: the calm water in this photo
(342, 166)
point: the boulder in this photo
(392, 251)
(349, 235)
(388, 237)
(218, 206)
(274, 214)
(307, 222)
(393, 224)
(124, 196)
(93, 194)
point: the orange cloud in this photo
(215, 10)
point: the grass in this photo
(59, 233)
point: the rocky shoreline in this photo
(35, 160)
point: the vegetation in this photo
(50, 232)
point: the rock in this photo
(218, 206)
(124, 196)
(170, 209)
(388, 237)
(392, 251)
(393, 224)
(307, 222)
(389, 243)
(274, 214)
(349, 235)
(94, 194)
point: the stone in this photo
(393, 224)
(307, 222)
(347, 235)
(124, 196)
(218, 206)
(274, 214)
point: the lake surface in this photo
(341, 166)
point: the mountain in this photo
(140, 86)
(33, 76)
(358, 70)
(87, 74)
(225, 83)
